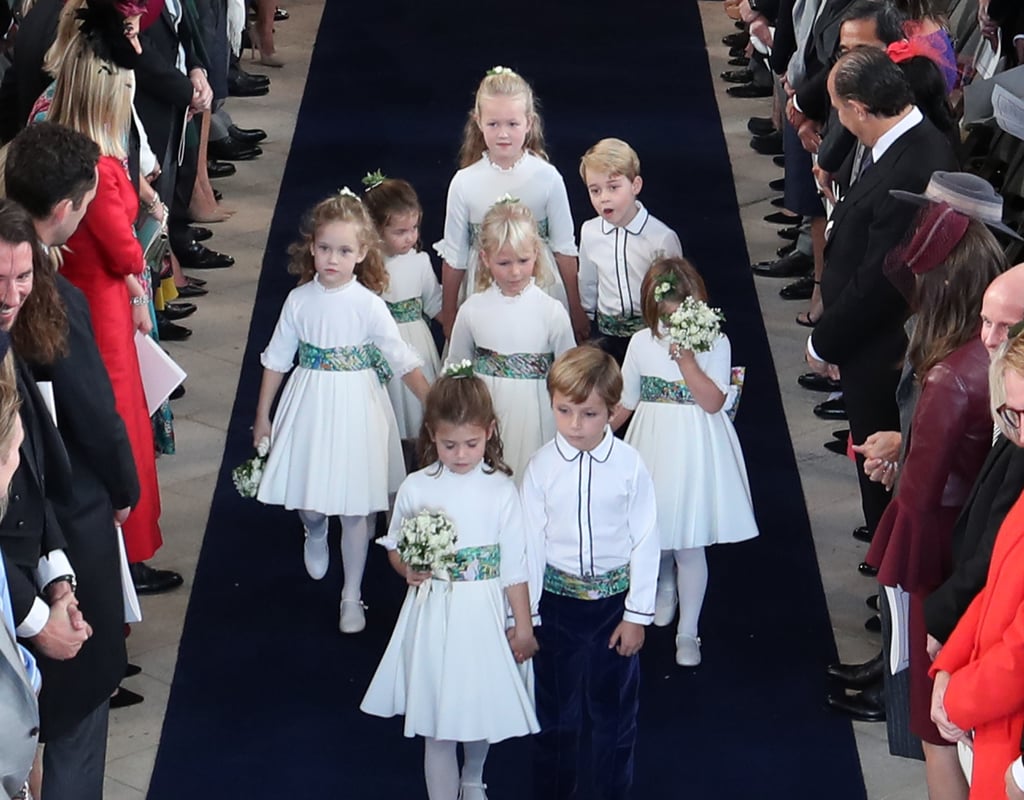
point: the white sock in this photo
(315, 522)
(474, 758)
(355, 539)
(441, 769)
(666, 573)
(692, 567)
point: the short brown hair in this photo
(685, 282)
(583, 370)
(461, 400)
(612, 156)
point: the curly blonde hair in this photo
(340, 207)
(512, 224)
(505, 83)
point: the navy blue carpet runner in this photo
(265, 697)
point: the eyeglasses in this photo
(1011, 416)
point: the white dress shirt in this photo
(590, 512)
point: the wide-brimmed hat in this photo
(966, 193)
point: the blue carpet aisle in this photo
(265, 697)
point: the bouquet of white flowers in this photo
(694, 325)
(247, 475)
(426, 541)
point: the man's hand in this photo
(627, 638)
(202, 94)
(810, 135)
(824, 181)
(759, 30)
(65, 631)
(793, 114)
(121, 514)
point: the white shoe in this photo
(665, 603)
(316, 556)
(473, 791)
(353, 616)
(688, 651)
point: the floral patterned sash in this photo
(622, 327)
(658, 390)
(526, 366)
(409, 310)
(345, 359)
(476, 563)
(593, 587)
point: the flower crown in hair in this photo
(499, 70)
(460, 369)
(373, 180)
(506, 200)
(344, 191)
(669, 283)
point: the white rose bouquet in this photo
(426, 541)
(248, 474)
(694, 325)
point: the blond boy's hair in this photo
(612, 157)
(585, 369)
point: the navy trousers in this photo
(577, 673)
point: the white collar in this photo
(635, 226)
(887, 139)
(599, 453)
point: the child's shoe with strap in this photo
(687, 651)
(353, 616)
(316, 555)
(665, 602)
(473, 791)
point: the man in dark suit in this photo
(45, 166)
(860, 334)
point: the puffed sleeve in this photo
(461, 344)
(631, 373)
(430, 289)
(109, 221)
(719, 369)
(280, 353)
(645, 556)
(403, 509)
(383, 332)
(535, 524)
(561, 231)
(561, 335)
(454, 247)
(587, 276)
(512, 538)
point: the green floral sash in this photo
(407, 310)
(658, 390)
(527, 366)
(622, 327)
(345, 359)
(595, 587)
(476, 563)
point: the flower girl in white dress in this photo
(457, 665)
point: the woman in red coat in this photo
(979, 672)
(104, 259)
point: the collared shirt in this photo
(8, 616)
(51, 566)
(614, 260)
(589, 512)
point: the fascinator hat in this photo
(972, 196)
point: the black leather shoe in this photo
(738, 39)
(779, 161)
(247, 135)
(198, 256)
(778, 202)
(220, 169)
(761, 126)
(228, 149)
(280, 15)
(866, 706)
(868, 571)
(737, 52)
(769, 145)
(862, 534)
(831, 409)
(191, 290)
(153, 581)
(839, 448)
(739, 61)
(176, 311)
(796, 263)
(177, 393)
(782, 218)
(737, 76)
(858, 676)
(132, 670)
(841, 435)
(193, 281)
(169, 331)
(872, 602)
(800, 289)
(255, 77)
(814, 382)
(789, 234)
(245, 86)
(123, 698)
(749, 90)
(777, 185)
(873, 624)
(199, 234)
(786, 250)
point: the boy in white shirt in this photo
(593, 548)
(618, 246)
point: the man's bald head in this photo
(1002, 307)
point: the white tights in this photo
(441, 766)
(691, 581)
(355, 540)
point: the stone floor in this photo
(213, 355)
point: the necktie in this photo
(865, 163)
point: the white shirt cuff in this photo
(639, 619)
(796, 104)
(1018, 773)
(51, 566)
(812, 351)
(1016, 39)
(35, 620)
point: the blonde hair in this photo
(585, 369)
(340, 207)
(93, 96)
(1009, 356)
(504, 83)
(683, 280)
(67, 32)
(512, 224)
(612, 157)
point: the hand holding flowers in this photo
(693, 326)
(247, 475)
(426, 545)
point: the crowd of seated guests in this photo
(901, 202)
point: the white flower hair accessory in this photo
(500, 70)
(669, 283)
(506, 200)
(459, 369)
(344, 191)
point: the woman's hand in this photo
(141, 319)
(523, 643)
(414, 577)
(881, 453)
(948, 731)
(260, 429)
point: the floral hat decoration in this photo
(373, 179)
